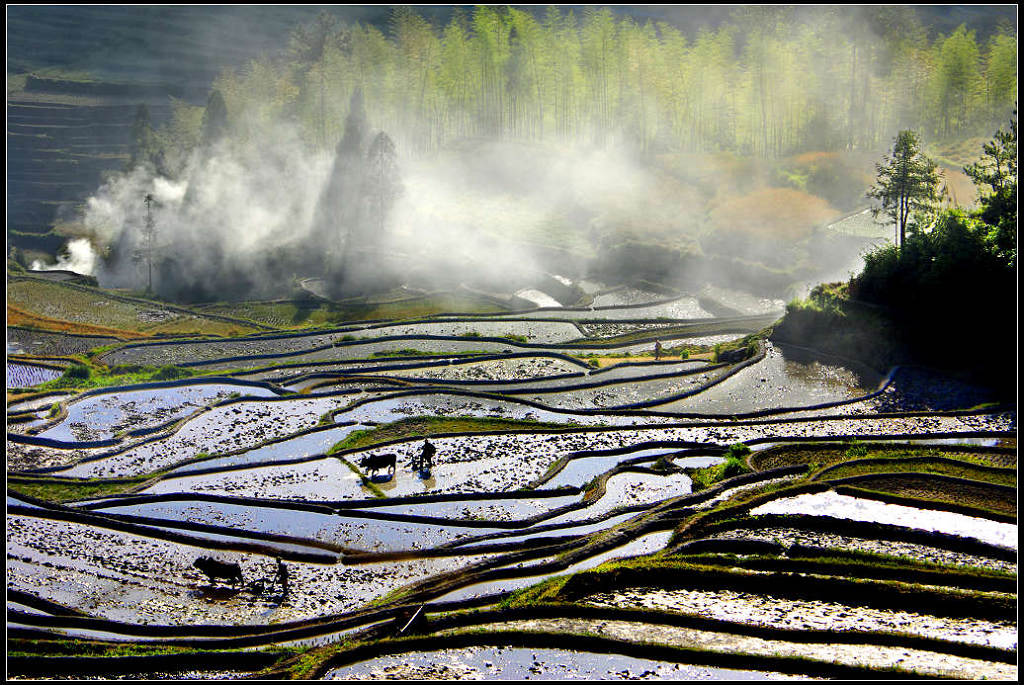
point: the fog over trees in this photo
(587, 125)
(772, 81)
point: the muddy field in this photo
(114, 494)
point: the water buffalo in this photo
(375, 462)
(218, 569)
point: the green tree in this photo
(215, 120)
(998, 171)
(309, 46)
(956, 79)
(1001, 74)
(382, 183)
(143, 139)
(906, 183)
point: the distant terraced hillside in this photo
(76, 76)
(57, 154)
(77, 73)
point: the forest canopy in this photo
(543, 132)
(771, 81)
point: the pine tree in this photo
(906, 182)
(998, 170)
(146, 250)
(143, 139)
(382, 183)
(215, 120)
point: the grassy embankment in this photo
(83, 376)
(315, 313)
(91, 648)
(829, 320)
(61, 490)
(710, 353)
(68, 308)
(426, 426)
(734, 465)
(871, 569)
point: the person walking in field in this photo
(657, 350)
(282, 577)
(427, 456)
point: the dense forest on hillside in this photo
(769, 82)
(626, 142)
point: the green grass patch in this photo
(71, 490)
(818, 459)
(367, 483)
(545, 591)
(413, 352)
(842, 565)
(102, 349)
(897, 465)
(734, 465)
(392, 596)
(71, 647)
(83, 376)
(424, 426)
(404, 352)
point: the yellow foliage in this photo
(777, 213)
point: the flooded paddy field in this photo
(493, 463)
(358, 350)
(494, 509)
(224, 428)
(44, 401)
(462, 403)
(533, 331)
(784, 378)
(511, 375)
(317, 441)
(727, 643)
(138, 579)
(103, 416)
(890, 547)
(730, 605)
(623, 303)
(529, 369)
(553, 486)
(351, 532)
(42, 343)
(531, 574)
(27, 375)
(510, 663)
(506, 336)
(625, 394)
(740, 301)
(853, 508)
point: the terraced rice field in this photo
(779, 515)
(71, 305)
(27, 375)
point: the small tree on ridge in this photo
(906, 182)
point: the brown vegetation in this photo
(19, 317)
(773, 213)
